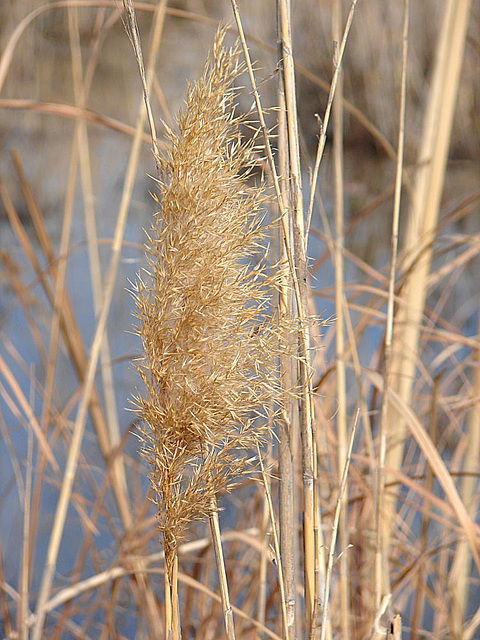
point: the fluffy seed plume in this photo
(203, 306)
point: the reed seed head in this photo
(204, 308)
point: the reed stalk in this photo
(81, 93)
(210, 346)
(381, 576)
(461, 566)
(288, 424)
(340, 369)
(218, 327)
(297, 216)
(79, 427)
(421, 229)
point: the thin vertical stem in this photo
(26, 565)
(276, 543)
(326, 118)
(286, 425)
(222, 574)
(118, 468)
(381, 586)
(339, 295)
(422, 225)
(299, 242)
(79, 427)
(264, 559)
(172, 618)
(336, 522)
(176, 634)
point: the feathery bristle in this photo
(210, 346)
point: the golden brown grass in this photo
(308, 550)
(204, 309)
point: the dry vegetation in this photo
(300, 478)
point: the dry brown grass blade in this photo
(69, 111)
(34, 211)
(81, 92)
(460, 573)
(72, 461)
(27, 410)
(68, 325)
(436, 463)
(24, 297)
(422, 225)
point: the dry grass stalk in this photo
(78, 432)
(287, 425)
(423, 219)
(394, 629)
(436, 567)
(336, 523)
(340, 372)
(81, 88)
(277, 548)
(420, 596)
(292, 214)
(209, 343)
(296, 215)
(459, 576)
(381, 581)
(326, 118)
(267, 515)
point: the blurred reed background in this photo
(80, 551)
